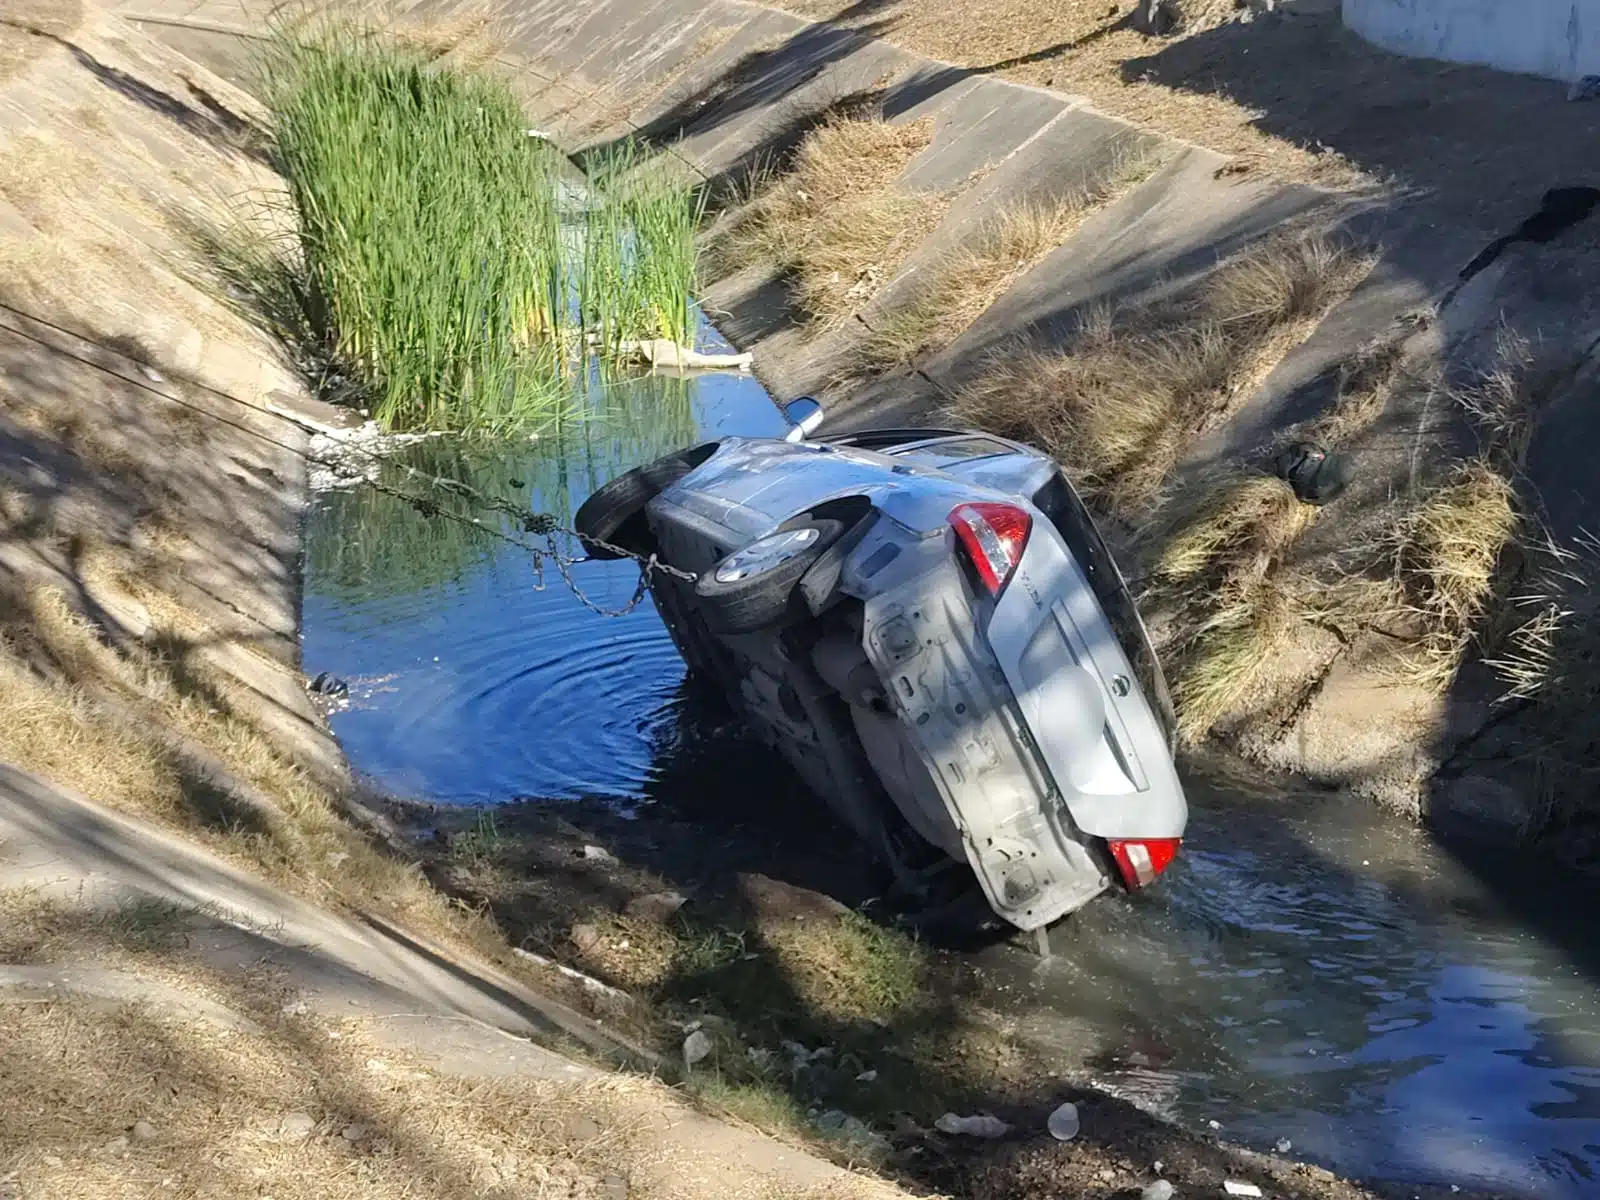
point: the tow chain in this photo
(540, 525)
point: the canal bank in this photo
(1114, 1123)
(1379, 690)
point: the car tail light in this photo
(1141, 861)
(993, 536)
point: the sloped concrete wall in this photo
(1559, 39)
(722, 83)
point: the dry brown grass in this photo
(79, 1078)
(153, 732)
(1133, 387)
(1224, 559)
(1081, 47)
(964, 282)
(1221, 564)
(1450, 546)
(835, 218)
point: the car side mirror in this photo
(804, 414)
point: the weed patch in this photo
(423, 263)
(963, 283)
(835, 220)
(1135, 386)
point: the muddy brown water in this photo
(1310, 971)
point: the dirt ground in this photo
(1292, 93)
(774, 972)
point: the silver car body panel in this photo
(1019, 732)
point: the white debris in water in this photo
(343, 458)
(842, 1127)
(1234, 1188)
(1284, 1145)
(1215, 1124)
(1063, 1123)
(980, 1126)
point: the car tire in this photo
(614, 513)
(762, 590)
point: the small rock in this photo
(297, 1125)
(657, 906)
(696, 1047)
(842, 1127)
(584, 937)
(580, 1129)
(614, 1187)
(1063, 1123)
(1159, 1166)
(117, 1147)
(143, 1131)
(353, 1133)
(598, 854)
(1234, 1188)
(1283, 1145)
(867, 1077)
(1105, 1174)
(1161, 1189)
(772, 901)
(980, 1126)
(1215, 1124)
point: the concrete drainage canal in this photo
(1312, 976)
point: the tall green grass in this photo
(434, 266)
(638, 274)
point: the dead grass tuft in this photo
(1229, 653)
(381, 1124)
(835, 219)
(962, 284)
(1221, 564)
(1133, 387)
(1449, 548)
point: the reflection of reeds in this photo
(431, 264)
(370, 542)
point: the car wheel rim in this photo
(762, 556)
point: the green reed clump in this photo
(428, 226)
(638, 276)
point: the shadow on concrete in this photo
(1482, 145)
(166, 1064)
(212, 121)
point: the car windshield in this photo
(1058, 501)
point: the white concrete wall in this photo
(1556, 38)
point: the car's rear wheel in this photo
(614, 513)
(755, 586)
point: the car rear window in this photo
(954, 450)
(1058, 501)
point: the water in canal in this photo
(1309, 971)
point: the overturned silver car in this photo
(927, 624)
